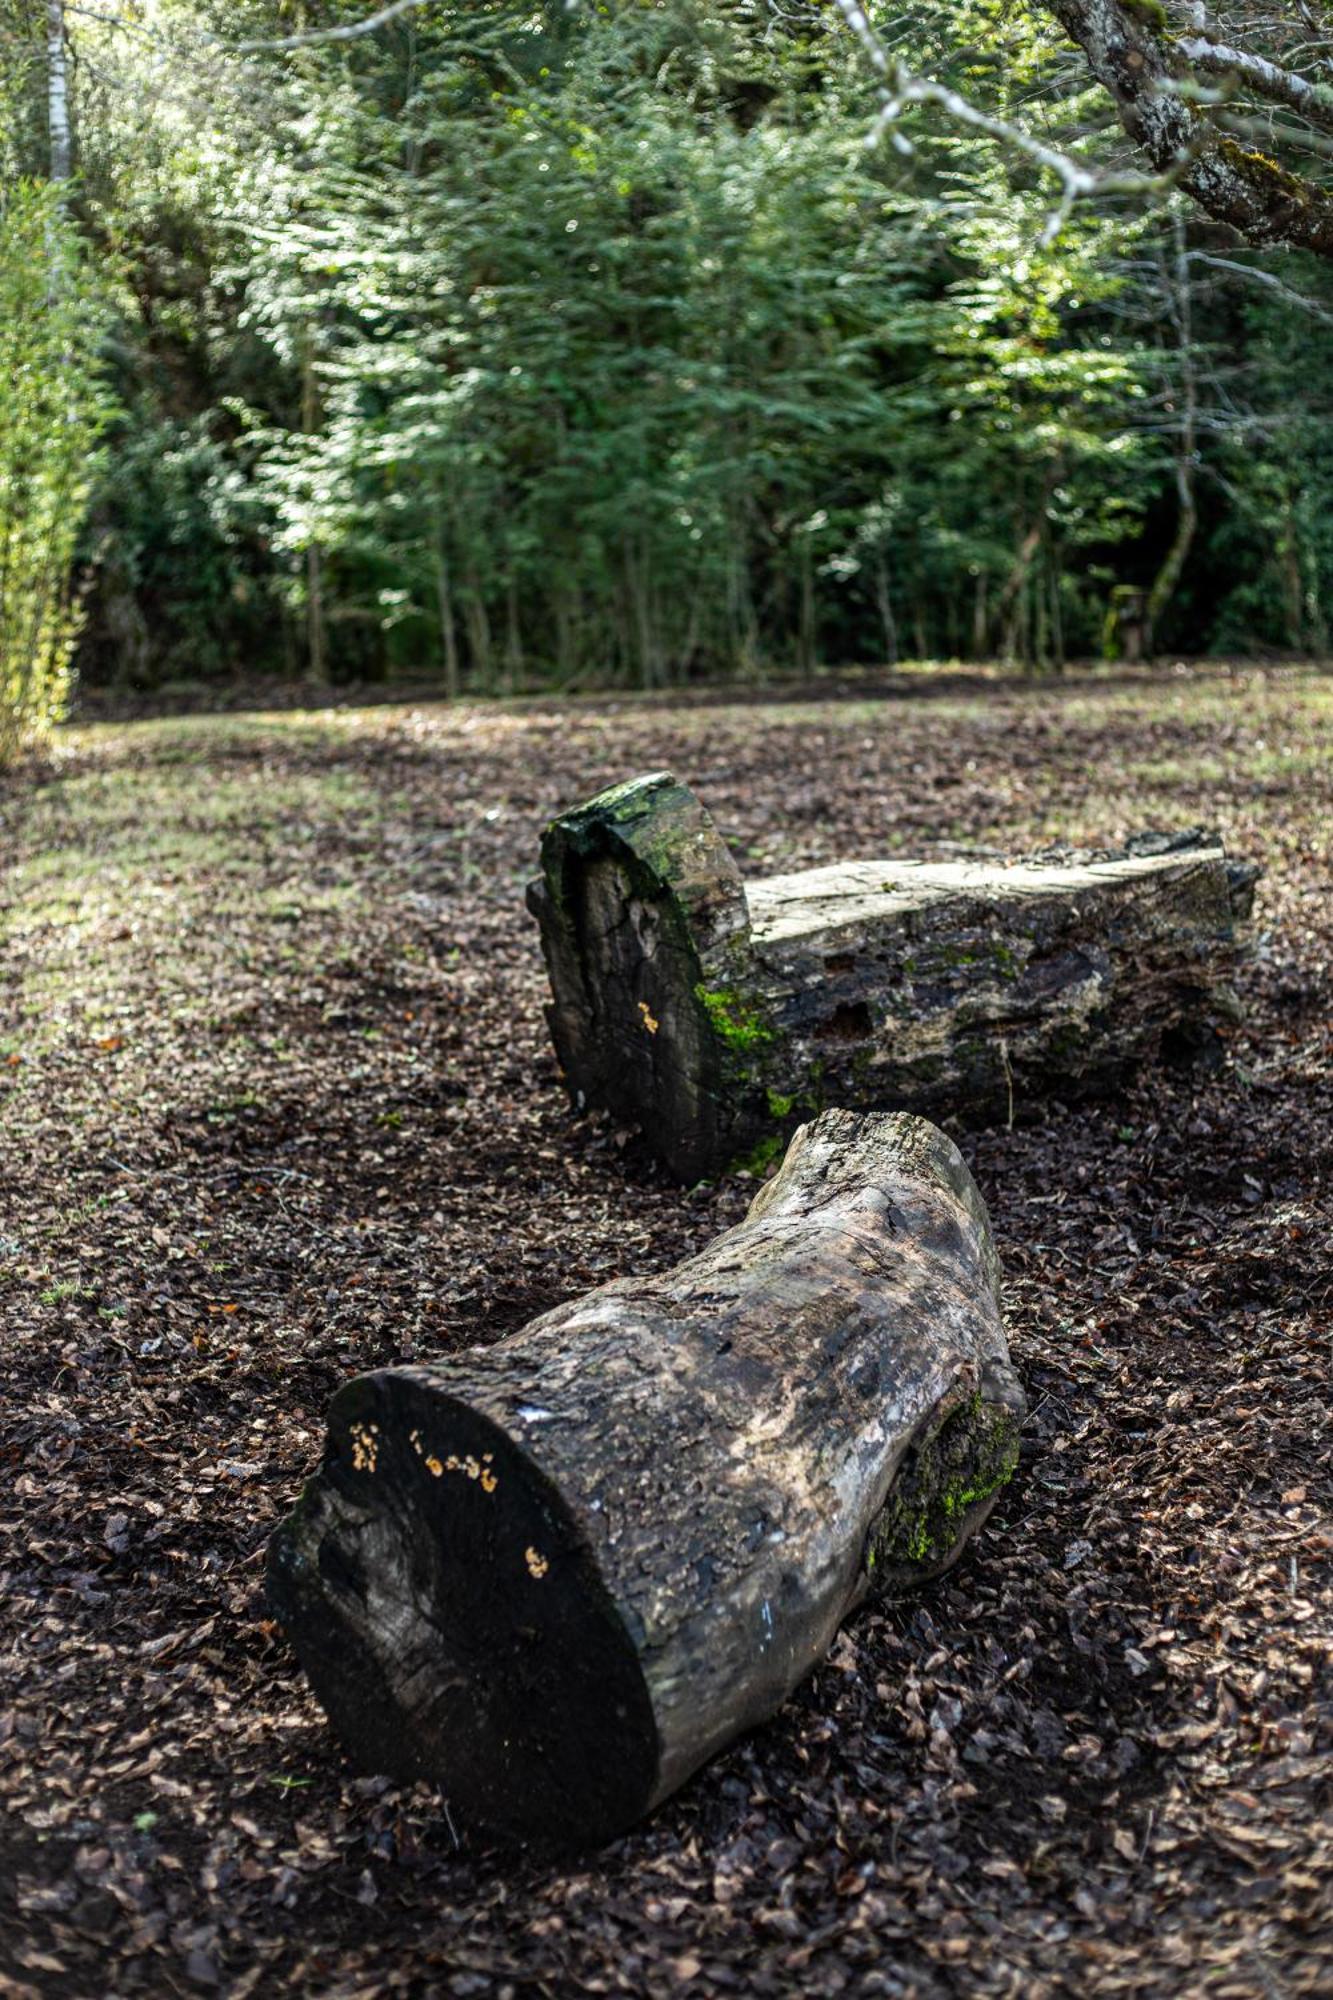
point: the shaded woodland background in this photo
(550, 348)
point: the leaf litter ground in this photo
(277, 1104)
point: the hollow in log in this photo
(559, 1573)
(715, 1013)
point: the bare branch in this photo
(352, 32)
(1147, 78)
(1255, 274)
(1314, 101)
(899, 88)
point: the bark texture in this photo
(716, 1014)
(1130, 51)
(559, 1573)
(644, 922)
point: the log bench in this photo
(715, 1013)
(558, 1573)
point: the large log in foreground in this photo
(715, 1013)
(559, 1573)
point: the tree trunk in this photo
(444, 604)
(1176, 285)
(57, 94)
(1134, 53)
(317, 651)
(558, 1574)
(715, 1013)
(884, 603)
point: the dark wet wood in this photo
(715, 1014)
(559, 1573)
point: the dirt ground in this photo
(277, 1104)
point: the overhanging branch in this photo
(1283, 86)
(1145, 75)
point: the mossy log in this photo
(714, 1013)
(559, 1573)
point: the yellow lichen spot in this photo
(365, 1447)
(649, 1022)
(537, 1564)
(478, 1469)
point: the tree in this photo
(52, 407)
(527, 344)
(1160, 78)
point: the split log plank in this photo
(715, 1013)
(559, 1573)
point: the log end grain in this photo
(557, 1574)
(453, 1624)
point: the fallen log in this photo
(715, 1013)
(559, 1573)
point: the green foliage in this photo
(529, 346)
(52, 407)
(182, 540)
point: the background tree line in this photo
(524, 346)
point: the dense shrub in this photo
(53, 405)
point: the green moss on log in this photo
(734, 1019)
(953, 1469)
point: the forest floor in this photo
(277, 1104)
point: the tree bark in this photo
(716, 1014)
(558, 1574)
(317, 652)
(57, 94)
(1130, 51)
(1177, 286)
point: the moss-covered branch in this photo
(1131, 56)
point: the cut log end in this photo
(714, 1013)
(557, 1575)
(453, 1624)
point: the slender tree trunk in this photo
(513, 641)
(1057, 620)
(479, 630)
(57, 93)
(317, 660)
(884, 602)
(1012, 611)
(1313, 626)
(1009, 610)
(1293, 589)
(1168, 576)
(566, 655)
(445, 603)
(806, 629)
(640, 617)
